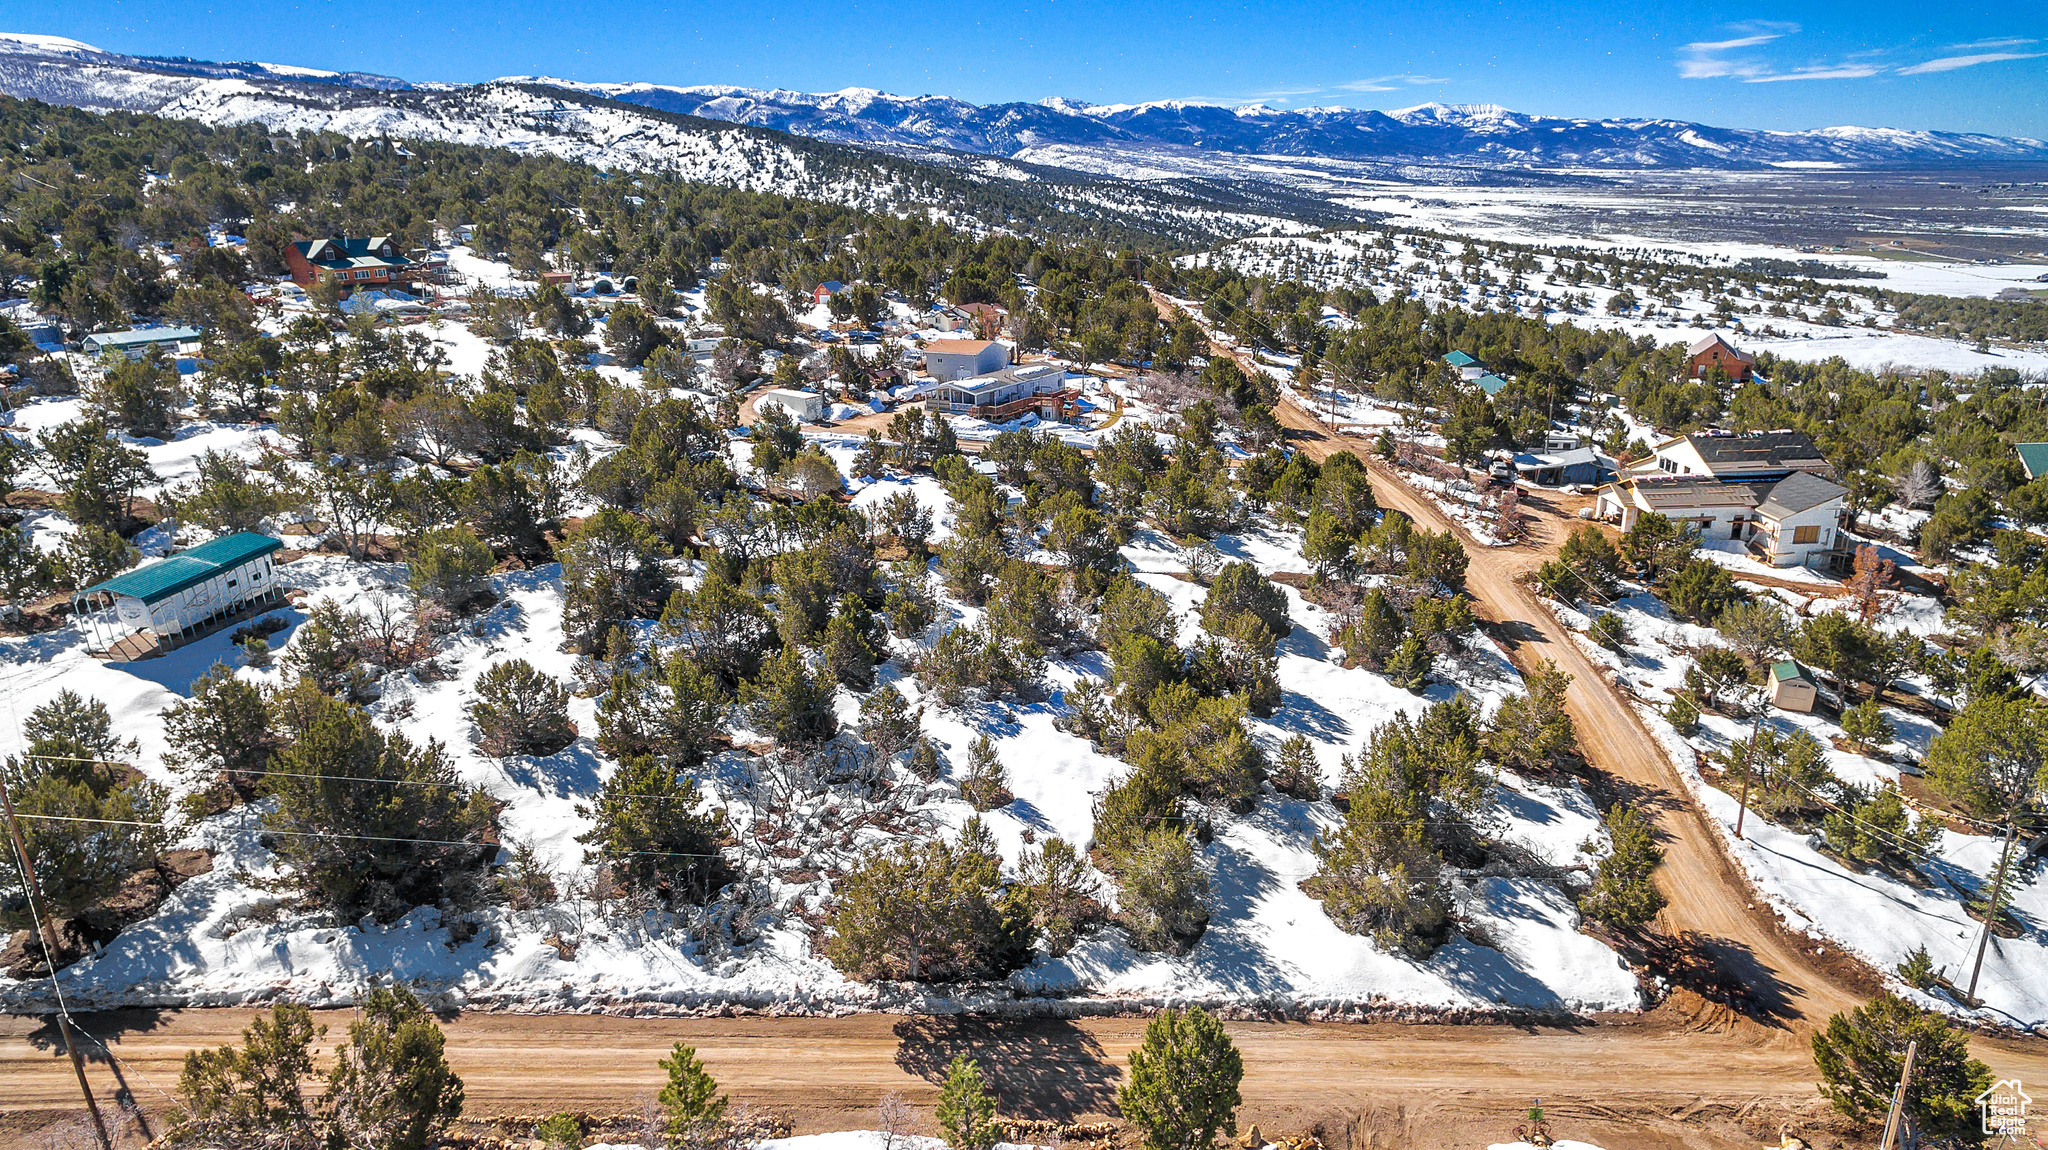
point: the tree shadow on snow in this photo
(1037, 1067)
(1300, 714)
(568, 773)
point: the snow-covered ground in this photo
(1877, 917)
(227, 937)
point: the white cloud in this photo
(1707, 59)
(1951, 63)
(1994, 42)
(1389, 83)
(1834, 72)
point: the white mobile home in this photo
(174, 598)
(802, 406)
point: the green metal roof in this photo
(1459, 359)
(2033, 457)
(1787, 669)
(1490, 383)
(166, 577)
(146, 335)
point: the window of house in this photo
(1805, 535)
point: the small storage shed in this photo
(804, 406)
(177, 597)
(1792, 687)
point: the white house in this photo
(964, 358)
(1040, 387)
(134, 343)
(802, 406)
(1791, 522)
(177, 596)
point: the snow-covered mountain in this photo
(587, 126)
(1481, 136)
(1432, 133)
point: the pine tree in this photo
(986, 784)
(928, 911)
(1164, 901)
(520, 711)
(1623, 895)
(391, 1087)
(1061, 892)
(791, 703)
(692, 1109)
(1299, 776)
(966, 1109)
(611, 573)
(887, 723)
(1183, 1083)
(220, 736)
(1859, 1055)
(651, 836)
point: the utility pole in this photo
(49, 933)
(1748, 761)
(1894, 1119)
(1991, 911)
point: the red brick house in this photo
(373, 262)
(1703, 357)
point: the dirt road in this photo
(1710, 904)
(1667, 1080)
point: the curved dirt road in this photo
(1711, 906)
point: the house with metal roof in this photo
(178, 597)
(349, 262)
(1004, 394)
(2033, 458)
(1797, 521)
(1748, 457)
(963, 358)
(136, 342)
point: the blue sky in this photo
(1950, 66)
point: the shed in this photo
(804, 406)
(180, 596)
(1792, 687)
(1489, 383)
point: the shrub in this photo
(986, 784)
(612, 573)
(520, 711)
(1164, 901)
(220, 736)
(450, 567)
(1183, 1085)
(791, 703)
(560, 1132)
(1298, 775)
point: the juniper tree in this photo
(1164, 896)
(367, 823)
(520, 711)
(1623, 894)
(391, 1087)
(255, 1093)
(887, 723)
(1240, 589)
(1061, 892)
(647, 830)
(611, 573)
(1182, 1089)
(790, 702)
(220, 736)
(928, 911)
(449, 567)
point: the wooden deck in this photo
(141, 645)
